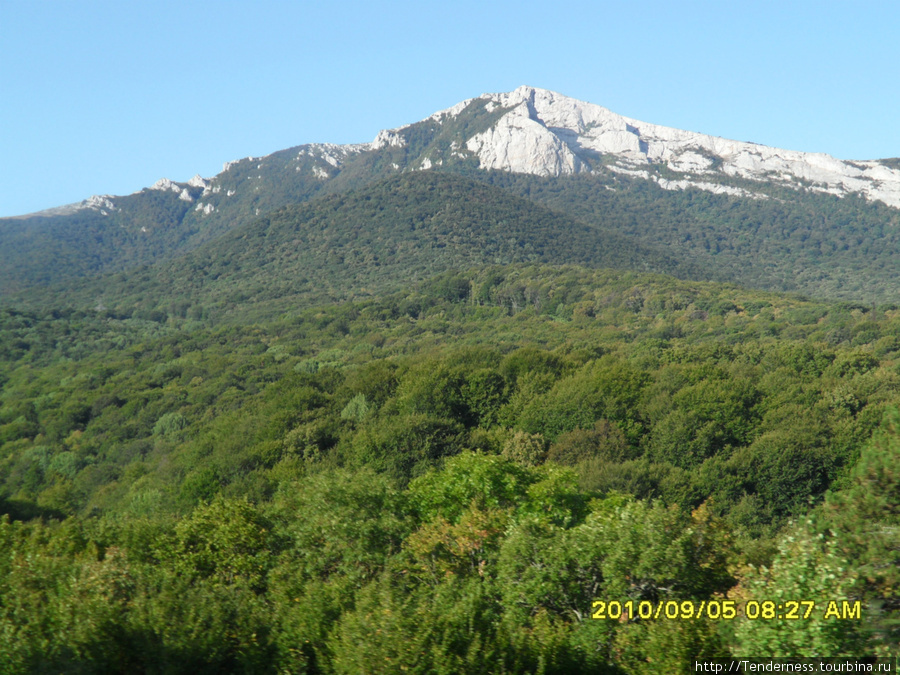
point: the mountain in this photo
(403, 228)
(775, 219)
(541, 133)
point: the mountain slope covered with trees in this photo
(374, 239)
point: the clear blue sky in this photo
(107, 97)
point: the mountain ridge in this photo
(531, 136)
(546, 133)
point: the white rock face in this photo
(336, 155)
(99, 203)
(388, 137)
(165, 184)
(452, 111)
(547, 134)
(520, 144)
(709, 187)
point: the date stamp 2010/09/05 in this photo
(726, 610)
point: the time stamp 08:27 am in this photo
(726, 610)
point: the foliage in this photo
(807, 568)
(472, 462)
(394, 231)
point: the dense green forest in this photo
(444, 477)
(141, 229)
(348, 246)
(819, 245)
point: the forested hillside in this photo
(819, 245)
(366, 242)
(446, 476)
(141, 229)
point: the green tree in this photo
(527, 449)
(865, 520)
(228, 541)
(807, 568)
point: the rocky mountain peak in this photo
(540, 132)
(547, 134)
